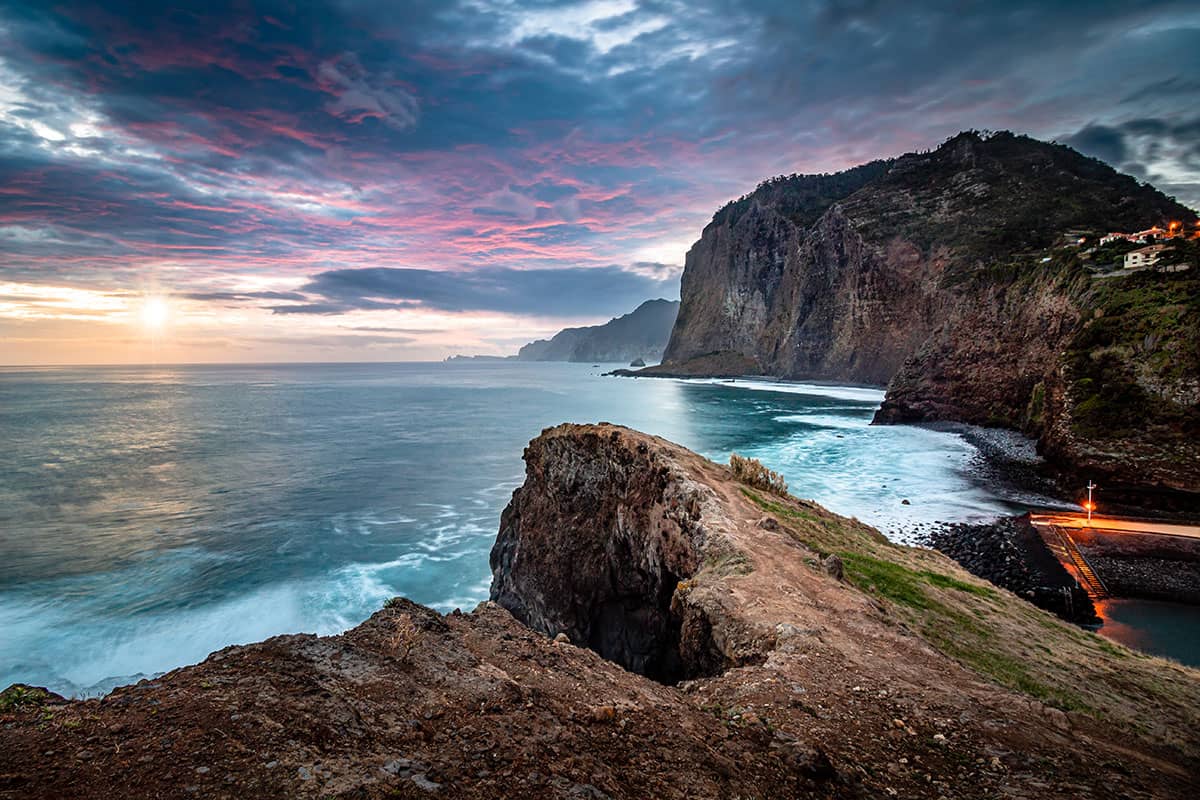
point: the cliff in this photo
(685, 636)
(642, 333)
(947, 276)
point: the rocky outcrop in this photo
(595, 544)
(640, 334)
(944, 276)
(803, 656)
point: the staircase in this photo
(1067, 551)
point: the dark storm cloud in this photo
(556, 293)
(508, 140)
(1101, 141)
(1163, 152)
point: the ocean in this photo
(152, 515)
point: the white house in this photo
(1141, 237)
(1143, 256)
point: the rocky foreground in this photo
(673, 633)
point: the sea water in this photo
(152, 515)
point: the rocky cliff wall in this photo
(941, 276)
(595, 543)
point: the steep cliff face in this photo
(595, 544)
(943, 275)
(642, 333)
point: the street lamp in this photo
(1090, 505)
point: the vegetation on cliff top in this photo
(991, 632)
(803, 198)
(1130, 364)
(986, 195)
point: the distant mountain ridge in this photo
(642, 333)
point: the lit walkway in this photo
(1116, 525)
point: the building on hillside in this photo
(1143, 256)
(1173, 231)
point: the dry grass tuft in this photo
(751, 472)
(404, 637)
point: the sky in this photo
(361, 180)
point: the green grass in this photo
(947, 582)
(778, 508)
(974, 647)
(1002, 639)
(901, 584)
(965, 637)
(18, 698)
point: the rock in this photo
(637, 362)
(905, 502)
(401, 766)
(769, 524)
(604, 714)
(425, 784)
(554, 570)
(833, 566)
(562, 638)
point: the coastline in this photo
(1008, 551)
(1019, 464)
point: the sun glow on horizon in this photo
(155, 313)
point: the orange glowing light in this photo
(1089, 506)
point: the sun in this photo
(155, 313)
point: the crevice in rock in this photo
(638, 630)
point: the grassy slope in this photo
(996, 634)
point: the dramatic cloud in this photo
(1163, 152)
(570, 293)
(255, 156)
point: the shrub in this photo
(404, 637)
(19, 697)
(751, 472)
